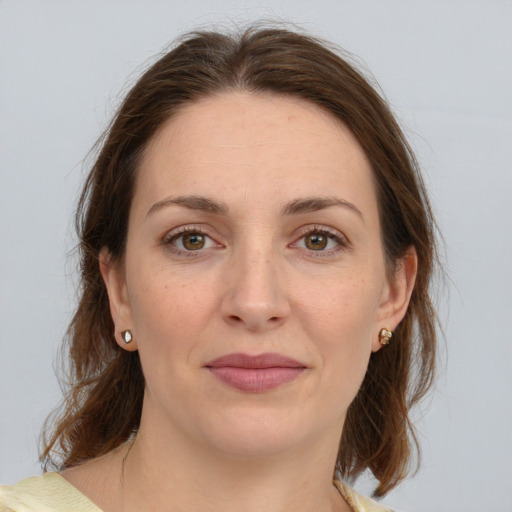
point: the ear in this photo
(120, 308)
(396, 296)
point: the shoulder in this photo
(357, 502)
(47, 493)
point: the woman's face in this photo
(254, 281)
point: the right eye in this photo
(191, 241)
(188, 241)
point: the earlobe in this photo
(397, 296)
(114, 280)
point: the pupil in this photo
(193, 241)
(316, 242)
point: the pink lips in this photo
(255, 373)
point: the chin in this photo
(256, 434)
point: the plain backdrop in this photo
(446, 69)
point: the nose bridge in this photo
(255, 295)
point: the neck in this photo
(192, 479)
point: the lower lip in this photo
(256, 380)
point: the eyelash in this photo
(341, 240)
(176, 235)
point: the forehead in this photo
(254, 143)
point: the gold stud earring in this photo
(384, 336)
(127, 336)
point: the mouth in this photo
(255, 374)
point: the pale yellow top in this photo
(47, 493)
(52, 493)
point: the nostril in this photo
(252, 323)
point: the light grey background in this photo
(446, 68)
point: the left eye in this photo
(192, 241)
(318, 241)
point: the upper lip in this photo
(268, 360)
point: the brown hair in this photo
(104, 403)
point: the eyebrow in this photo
(200, 203)
(314, 204)
(295, 207)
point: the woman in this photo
(255, 321)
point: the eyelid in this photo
(343, 243)
(175, 233)
(333, 234)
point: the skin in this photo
(258, 284)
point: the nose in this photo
(255, 297)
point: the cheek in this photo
(170, 311)
(340, 309)
(340, 322)
(168, 323)
(160, 293)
